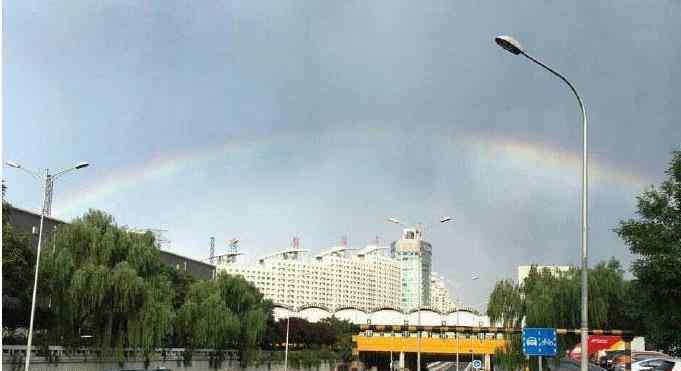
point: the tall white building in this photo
(366, 279)
(414, 256)
(440, 299)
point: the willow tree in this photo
(107, 281)
(507, 307)
(225, 313)
(552, 299)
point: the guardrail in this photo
(12, 353)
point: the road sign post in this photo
(539, 342)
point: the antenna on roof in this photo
(233, 245)
(211, 257)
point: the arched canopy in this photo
(428, 317)
(314, 313)
(387, 317)
(353, 315)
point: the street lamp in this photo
(47, 181)
(418, 313)
(513, 46)
(474, 277)
(288, 322)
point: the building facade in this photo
(440, 299)
(337, 278)
(415, 258)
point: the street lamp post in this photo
(459, 304)
(418, 313)
(288, 321)
(47, 182)
(513, 46)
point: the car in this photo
(531, 341)
(567, 364)
(655, 364)
(620, 359)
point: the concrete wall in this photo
(28, 222)
(198, 269)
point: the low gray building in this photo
(28, 222)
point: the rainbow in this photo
(490, 150)
(156, 168)
(540, 155)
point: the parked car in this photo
(619, 360)
(567, 364)
(655, 364)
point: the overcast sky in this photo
(265, 120)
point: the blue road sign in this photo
(540, 342)
(477, 363)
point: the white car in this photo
(657, 364)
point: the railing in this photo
(12, 353)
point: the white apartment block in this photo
(440, 300)
(366, 279)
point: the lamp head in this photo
(13, 164)
(394, 220)
(445, 219)
(510, 44)
(82, 164)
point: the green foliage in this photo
(106, 280)
(510, 357)
(505, 304)
(547, 299)
(18, 266)
(227, 312)
(655, 237)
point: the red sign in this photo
(596, 343)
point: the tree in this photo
(506, 305)
(655, 237)
(108, 281)
(18, 266)
(550, 299)
(228, 311)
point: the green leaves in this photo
(108, 280)
(227, 312)
(548, 299)
(655, 236)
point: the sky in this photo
(264, 120)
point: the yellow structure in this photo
(435, 345)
